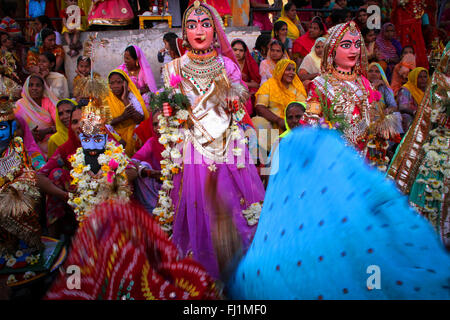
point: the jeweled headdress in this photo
(6, 109)
(336, 34)
(94, 118)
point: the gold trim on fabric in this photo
(110, 22)
(408, 159)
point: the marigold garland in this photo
(92, 190)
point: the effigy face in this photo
(199, 29)
(348, 51)
(93, 144)
(7, 129)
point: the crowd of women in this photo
(290, 75)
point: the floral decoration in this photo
(92, 190)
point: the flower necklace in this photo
(92, 190)
(170, 138)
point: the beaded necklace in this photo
(202, 70)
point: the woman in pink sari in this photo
(37, 108)
(136, 66)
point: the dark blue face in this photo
(93, 142)
(7, 129)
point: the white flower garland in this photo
(170, 138)
(91, 190)
(435, 164)
(253, 213)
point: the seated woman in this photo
(43, 22)
(279, 33)
(401, 71)
(411, 94)
(128, 109)
(379, 82)
(289, 15)
(369, 40)
(273, 97)
(64, 109)
(46, 43)
(38, 108)
(136, 66)
(147, 160)
(249, 70)
(275, 54)
(56, 81)
(292, 116)
(303, 45)
(54, 179)
(259, 52)
(310, 67)
(388, 49)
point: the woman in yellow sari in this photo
(289, 15)
(64, 109)
(127, 109)
(411, 94)
(274, 95)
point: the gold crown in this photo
(94, 117)
(6, 109)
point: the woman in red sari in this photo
(249, 70)
(407, 19)
(303, 45)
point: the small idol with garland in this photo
(203, 136)
(98, 166)
(342, 97)
(20, 231)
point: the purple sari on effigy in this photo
(239, 184)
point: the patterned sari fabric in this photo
(124, 255)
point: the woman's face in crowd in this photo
(199, 30)
(38, 25)
(422, 80)
(84, 67)
(276, 52)
(314, 30)
(116, 84)
(374, 74)
(319, 49)
(35, 88)
(282, 33)
(129, 61)
(389, 33)
(239, 52)
(75, 122)
(370, 36)
(44, 64)
(342, 3)
(292, 13)
(408, 50)
(347, 53)
(288, 74)
(6, 42)
(362, 17)
(293, 116)
(50, 42)
(64, 111)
